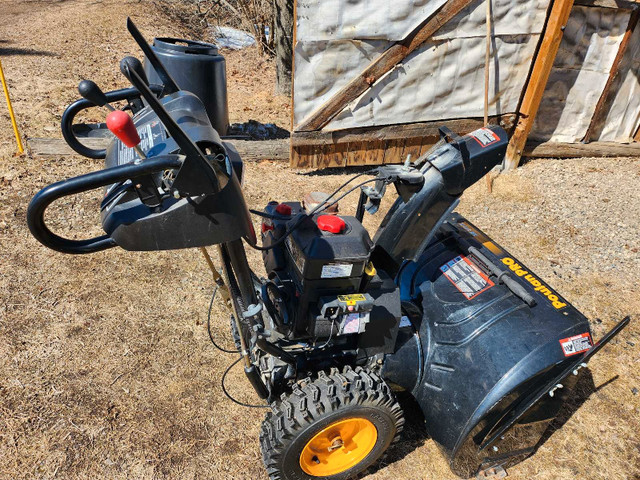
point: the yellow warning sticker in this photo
(352, 299)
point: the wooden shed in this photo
(374, 79)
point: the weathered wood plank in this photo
(609, 92)
(618, 4)
(578, 150)
(396, 132)
(248, 150)
(364, 153)
(538, 79)
(381, 66)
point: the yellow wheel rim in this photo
(339, 447)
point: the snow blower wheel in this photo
(335, 426)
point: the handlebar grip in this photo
(84, 183)
(76, 107)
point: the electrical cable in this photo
(320, 208)
(330, 336)
(224, 389)
(347, 193)
(225, 350)
(224, 375)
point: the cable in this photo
(347, 193)
(224, 375)
(330, 336)
(224, 389)
(320, 208)
(368, 172)
(225, 350)
(268, 215)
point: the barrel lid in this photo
(185, 46)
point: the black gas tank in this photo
(322, 254)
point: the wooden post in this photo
(294, 41)
(487, 58)
(538, 79)
(608, 93)
(381, 66)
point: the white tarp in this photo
(444, 78)
(324, 20)
(581, 69)
(337, 39)
(441, 81)
(623, 118)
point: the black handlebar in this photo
(83, 183)
(83, 104)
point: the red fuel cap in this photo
(331, 223)
(283, 209)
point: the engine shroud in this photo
(313, 268)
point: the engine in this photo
(322, 287)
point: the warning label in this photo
(576, 344)
(336, 270)
(150, 134)
(485, 137)
(353, 299)
(466, 277)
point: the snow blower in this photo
(342, 320)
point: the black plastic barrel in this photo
(197, 67)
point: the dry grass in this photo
(105, 367)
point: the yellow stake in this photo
(11, 114)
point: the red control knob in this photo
(121, 125)
(331, 223)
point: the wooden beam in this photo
(294, 41)
(378, 145)
(579, 150)
(396, 132)
(248, 150)
(608, 93)
(538, 79)
(381, 66)
(380, 152)
(617, 4)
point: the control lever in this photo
(196, 176)
(135, 65)
(92, 92)
(122, 126)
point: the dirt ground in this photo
(106, 370)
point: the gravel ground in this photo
(105, 366)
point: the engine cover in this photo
(316, 287)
